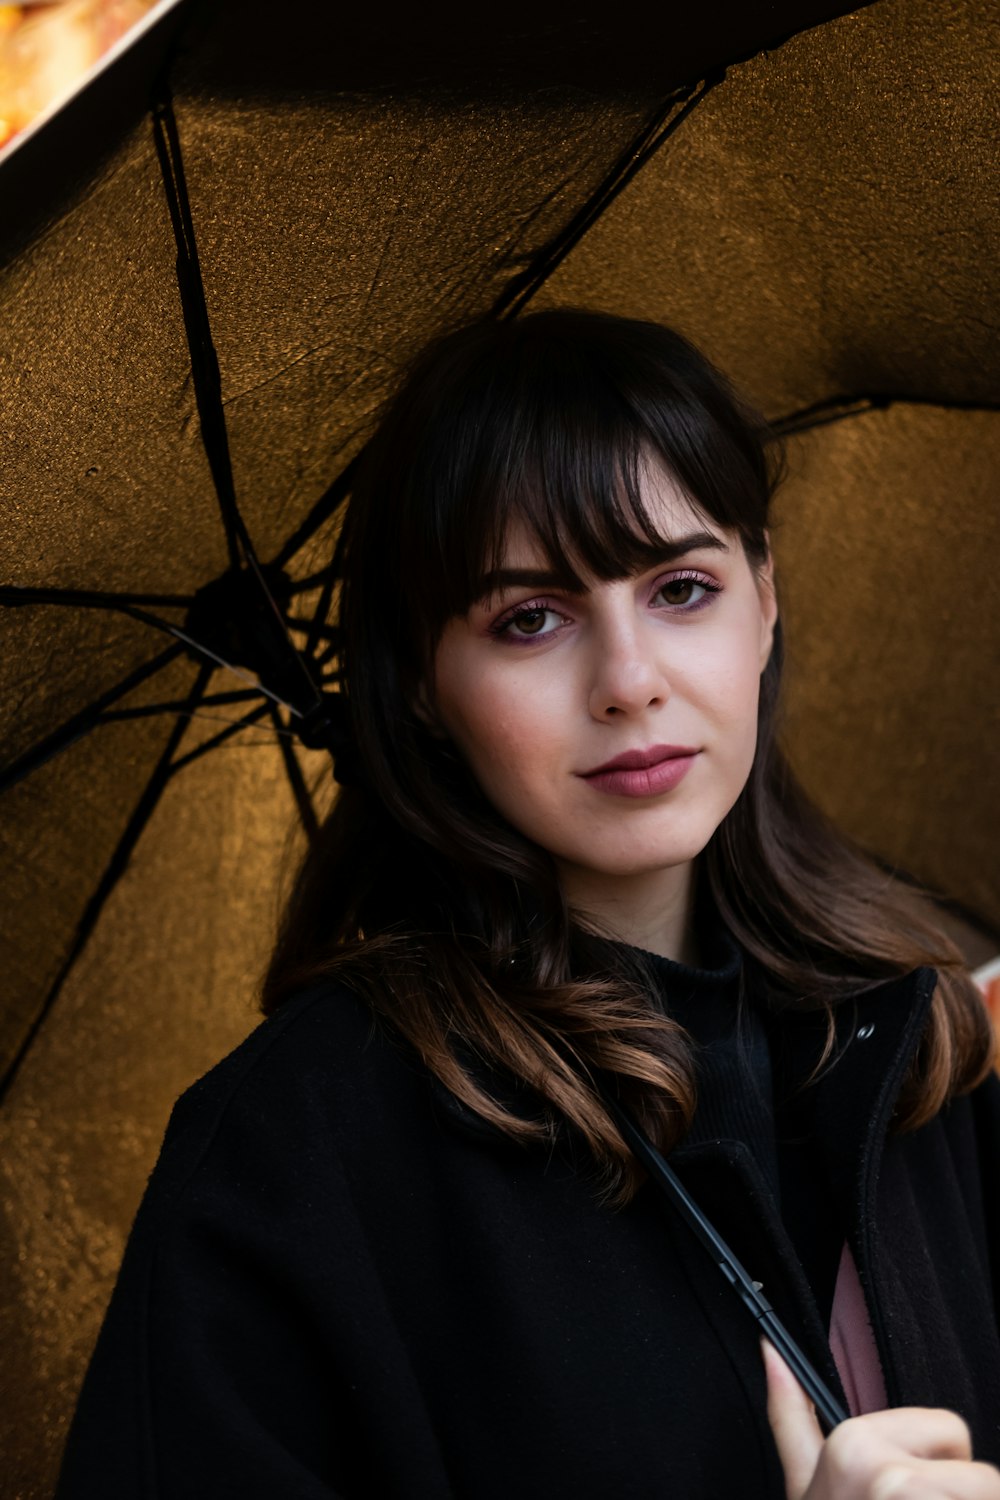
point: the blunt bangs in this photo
(545, 425)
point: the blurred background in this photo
(48, 46)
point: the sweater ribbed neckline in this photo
(731, 1054)
(703, 998)
(736, 1093)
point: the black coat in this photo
(341, 1283)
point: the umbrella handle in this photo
(750, 1292)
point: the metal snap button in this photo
(865, 1031)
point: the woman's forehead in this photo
(670, 513)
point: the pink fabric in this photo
(853, 1343)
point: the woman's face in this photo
(540, 688)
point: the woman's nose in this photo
(628, 674)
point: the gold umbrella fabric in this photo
(827, 225)
(820, 221)
(337, 228)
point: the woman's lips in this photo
(620, 779)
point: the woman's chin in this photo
(630, 864)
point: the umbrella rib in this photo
(13, 595)
(224, 734)
(83, 722)
(113, 871)
(318, 625)
(89, 598)
(668, 118)
(522, 287)
(327, 655)
(320, 512)
(322, 630)
(178, 706)
(205, 369)
(839, 408)
(313, 581)
(326, 505)
(300, 792)
(204, 359)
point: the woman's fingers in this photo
(797, 1434)
(945, 1480)
(886, 1455)
(918, 1431)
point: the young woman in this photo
(395, 1245)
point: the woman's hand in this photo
(918, 1452)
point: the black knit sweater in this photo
(747, 1094)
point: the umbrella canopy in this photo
(827, 228)
(350, 194)
(817, 220)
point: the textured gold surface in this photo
(334, 235)
(54, 846)
(828, 219)
(333, 240)
(887, 540)
(165, 987)
(825, 222)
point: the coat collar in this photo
(877, 1036)
(855, 1094)
(877, 1033)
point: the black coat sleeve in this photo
(249, 1348)
(985, 1104)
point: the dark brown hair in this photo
(419, 894)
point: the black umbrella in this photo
(471, 177)
(344, 197)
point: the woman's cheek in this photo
(736, 688)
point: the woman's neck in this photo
(652, 910)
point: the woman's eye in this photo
(532, 621)
(679, 592)
(528, 621)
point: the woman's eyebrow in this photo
(545, 578)
(528, 578)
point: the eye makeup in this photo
(530, 612)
